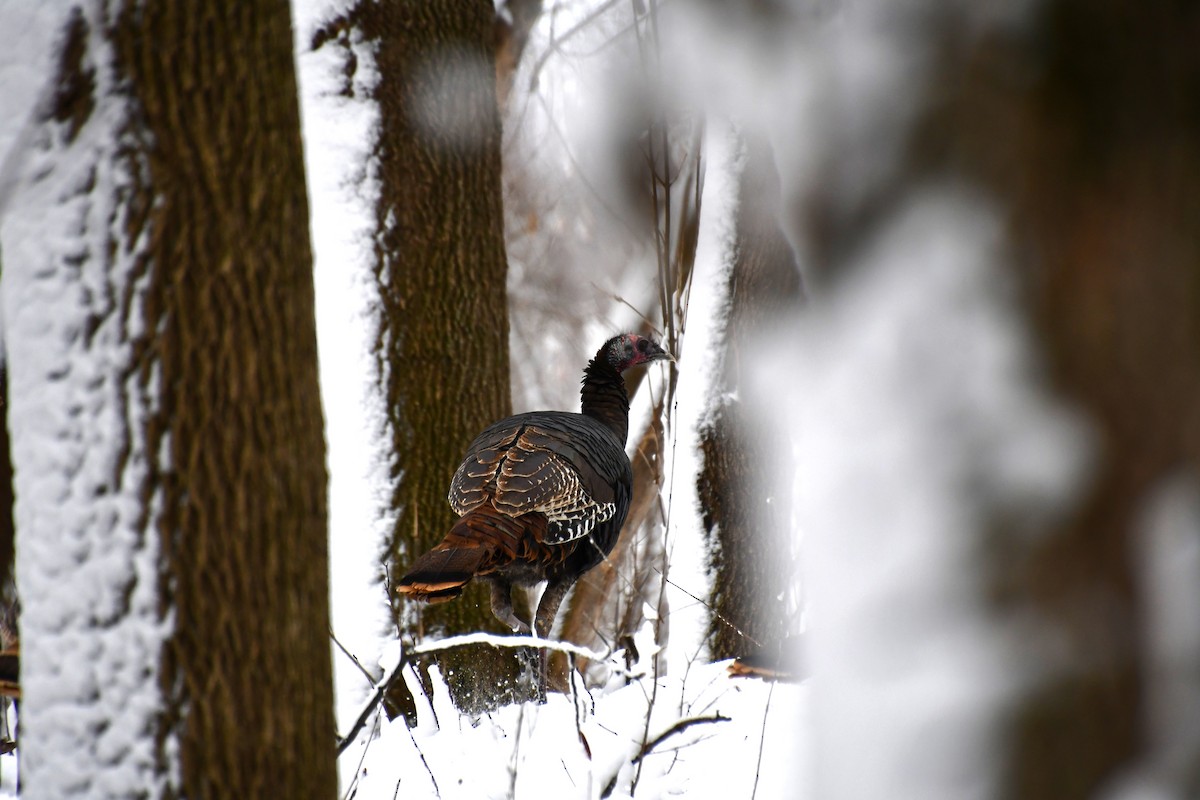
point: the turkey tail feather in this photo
(478, 544)
(440, 575)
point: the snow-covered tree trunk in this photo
(743, 482)
(439, 265)
(167, 438)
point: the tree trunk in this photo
(442, 345)
(743, 497)
(175, 411)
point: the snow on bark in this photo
(339, 120)
(86, 519)
(698, 365)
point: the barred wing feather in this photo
(536, 468)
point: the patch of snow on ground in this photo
(586, 745)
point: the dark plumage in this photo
(541, 496)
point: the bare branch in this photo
(500, 640)
(715, 613)
(678, 727)
(352, 789)
(555, 44)
(372, 703)
(370, 678)
(437, 791)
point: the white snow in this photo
(30, 31)
(87, 568)
(1169, 561)
(583, 744)
(339, 132)
(698, 361)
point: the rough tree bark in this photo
(442, 345)
(192, 220)
(243, 525)
(743, 496)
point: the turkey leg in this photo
(547, 610)
(502, 606)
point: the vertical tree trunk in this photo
(442, 346)
(248, 668)
(174, 409)
(743, 497)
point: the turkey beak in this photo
(658, 354)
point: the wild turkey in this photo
(542, 496)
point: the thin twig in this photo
(678, 727)
(762, 741)
(575, 706)
(516, 755)
(421, 754)
(662, 220)
(715, 613)
(645, 320)
(352, 789)
(370, 678)
(555, 44)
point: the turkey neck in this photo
(603, 396)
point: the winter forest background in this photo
(930, 450)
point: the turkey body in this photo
(541, 496)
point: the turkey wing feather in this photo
(526, 468)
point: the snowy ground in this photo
(704, 734)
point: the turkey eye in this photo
(643, 345)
